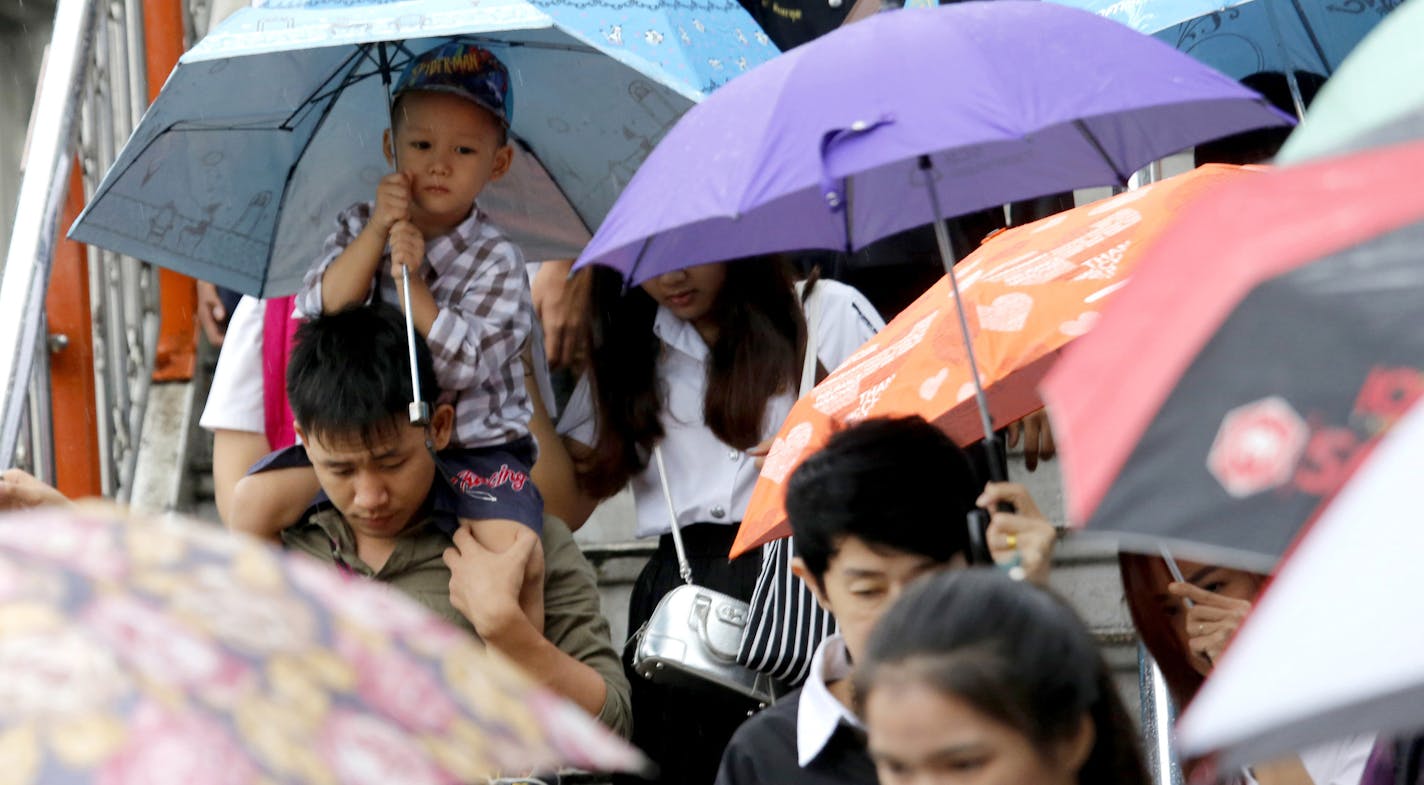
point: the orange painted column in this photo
(71, 369)
(177, 294)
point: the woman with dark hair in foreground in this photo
(974, 677)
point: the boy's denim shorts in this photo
(494, 482)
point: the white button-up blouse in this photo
(710, 481)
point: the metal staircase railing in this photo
(92, 91)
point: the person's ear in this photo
(442, 424)
(503, 158)
(388, 146)
(297, 429)
(1074, 752)
(800, 570)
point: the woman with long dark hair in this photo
(973, 677)
(1187, 625)
(703, 364)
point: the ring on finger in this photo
(1012, 541)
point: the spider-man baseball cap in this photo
(463, 69)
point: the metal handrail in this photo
(92, 93)
(125, 305)
(40, 204)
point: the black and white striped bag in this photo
(787, 624)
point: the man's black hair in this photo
(349, 374)
(895, 482)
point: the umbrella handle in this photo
(419, 409)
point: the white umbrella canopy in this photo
(1334, 646)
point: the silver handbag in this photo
(694, 633)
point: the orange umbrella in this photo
(1027, 293)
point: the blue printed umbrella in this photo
(1242, 37)
(272, 124)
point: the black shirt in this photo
(763, 750)
(791, 23)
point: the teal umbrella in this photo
(1242, 37)
(1376, 97)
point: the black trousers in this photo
(684, 729)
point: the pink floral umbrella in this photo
(148, 652)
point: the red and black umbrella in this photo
(1264, 346)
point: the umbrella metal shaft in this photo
(419, 412)
(947, 256)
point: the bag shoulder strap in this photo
(808, 380)
(683, 568)
(811, 360)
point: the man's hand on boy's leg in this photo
(392, 201)
(485, 583)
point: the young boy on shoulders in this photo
(469, 298)
(883, 503)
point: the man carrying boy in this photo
(389, 513)
(883, 503)
(469, 296)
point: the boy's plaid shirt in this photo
(478, 280)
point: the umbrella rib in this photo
(637, 262)
(524, 145)
(344, 76)
(363, 54)
(578, 48)
(352, 75)
(1102, 152)
(292, 170)
(1310, 33)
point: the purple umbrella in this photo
(908, 117)
(830, 145)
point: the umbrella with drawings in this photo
(1374, 99)
(1028, 292)
(1266, 344)
(1250, 36)
(165, 651)
(272, 124)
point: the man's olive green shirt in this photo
(573, 620)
